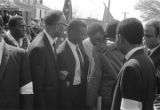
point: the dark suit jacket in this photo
(14, 73)
(67, 62)
(155, 56)
(44, 72)
(136, 81)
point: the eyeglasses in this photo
(63, 24)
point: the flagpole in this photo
(109, 2)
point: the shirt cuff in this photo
(128, 104)
(27, 89)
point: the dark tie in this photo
(55, 53)
(80, 57)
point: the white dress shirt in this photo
(1, 50)
(77, 76)
(88, 47)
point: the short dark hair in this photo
(1, 21)
(14, 21)
(156, 24)
(52, 17)
(132, 30)
(75, 25)
(111, 28)
(94, 28)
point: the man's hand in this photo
(63, 74)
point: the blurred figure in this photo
(95, 37)
(135, 85)
(152, 41)
(16, 89)
(43, 60)
(5, 17)
(110, 32)
(17, 32)
(109, 64)
(73, 68)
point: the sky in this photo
(95, 8)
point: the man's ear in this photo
(118, 38)
(57, 28)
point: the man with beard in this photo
(16, 90)
(17, 32)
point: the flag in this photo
(67, 10)
(107, 16)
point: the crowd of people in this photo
(76, 66)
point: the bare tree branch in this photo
(149, 8)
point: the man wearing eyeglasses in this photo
(43, 60)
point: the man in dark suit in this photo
(109, 63)
(135, 85)
(152, 41)
(73, 68)
(43, 60)
(16, 90)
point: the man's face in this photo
(120, 43)
(79, 34)
(61, 27)
(150, 36)
(97, 38)
(20, 29)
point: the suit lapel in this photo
(70, 59)
(49, 47)
(5, 58)
(50, 50)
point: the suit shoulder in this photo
(61, 47)
(37, 42)
(15, 49)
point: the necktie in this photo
(55, 53)
(55, 56)
(80, 57)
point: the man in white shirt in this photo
(73, 68)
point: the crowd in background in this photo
(53, 65)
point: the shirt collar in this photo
(152, 50)
(73, 46)
(1, 42)
(131, 52)
(51, 40)
(90, 43)
(12, 38)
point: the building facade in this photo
(35, 7)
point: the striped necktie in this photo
(80, 57)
